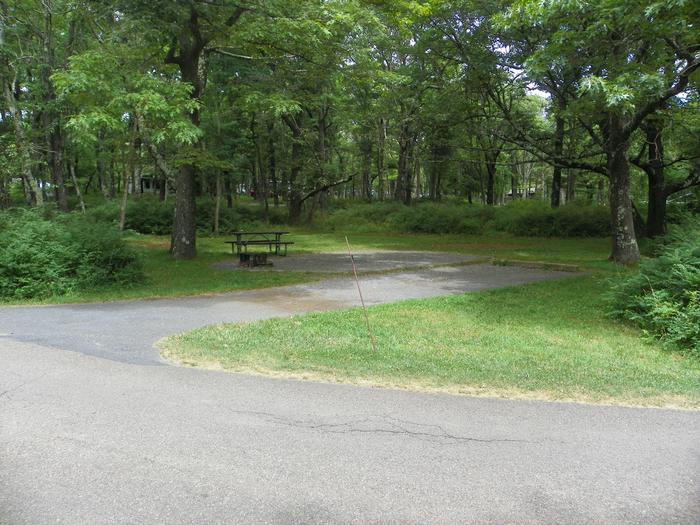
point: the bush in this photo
(147, 214)
(538, 219)
(664, 297)
(432, 217)
(359, 216)
(524, 218)
(43, 257)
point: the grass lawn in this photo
(547, 340)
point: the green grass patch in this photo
(547, 340)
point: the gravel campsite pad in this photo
(378, 261)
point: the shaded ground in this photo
(376, 261)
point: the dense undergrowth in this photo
(147, 215)
(46, 256)
(663, 298)
(522, 218)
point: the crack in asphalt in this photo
(378, 425)
(440, 435)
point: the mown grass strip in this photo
(548, 340)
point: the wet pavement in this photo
(375, 261)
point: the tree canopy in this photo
(295, 103)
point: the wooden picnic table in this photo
(272, 239)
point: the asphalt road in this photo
(92, 432)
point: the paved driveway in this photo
(92, 432)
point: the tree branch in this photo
(693, 179)
(326, 187)
(236, 15)
(170, 57)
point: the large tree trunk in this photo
(54, 144)
(125, 198)
(402, 190)
(259, 175)
(217, 204)
(656, 211)
(184, 222)
(380, 158)
(366, 156)
(558, 152)
(294, 202)
(294, 206)
(624, 241)
(49, 118)
(435, 172)
(192, 68)
(272, 163)
(491, 178)
(416, 172)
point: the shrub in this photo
(359, 216)
(537, 219)
(149, 215)
(663, 298)
(432, 217)
(44, 257)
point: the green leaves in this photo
(664, 297)
(276, 103)
(110, 87)
(43, 257)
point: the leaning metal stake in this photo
(359, 291)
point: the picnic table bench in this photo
(271, 239)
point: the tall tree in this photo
(637, 57)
